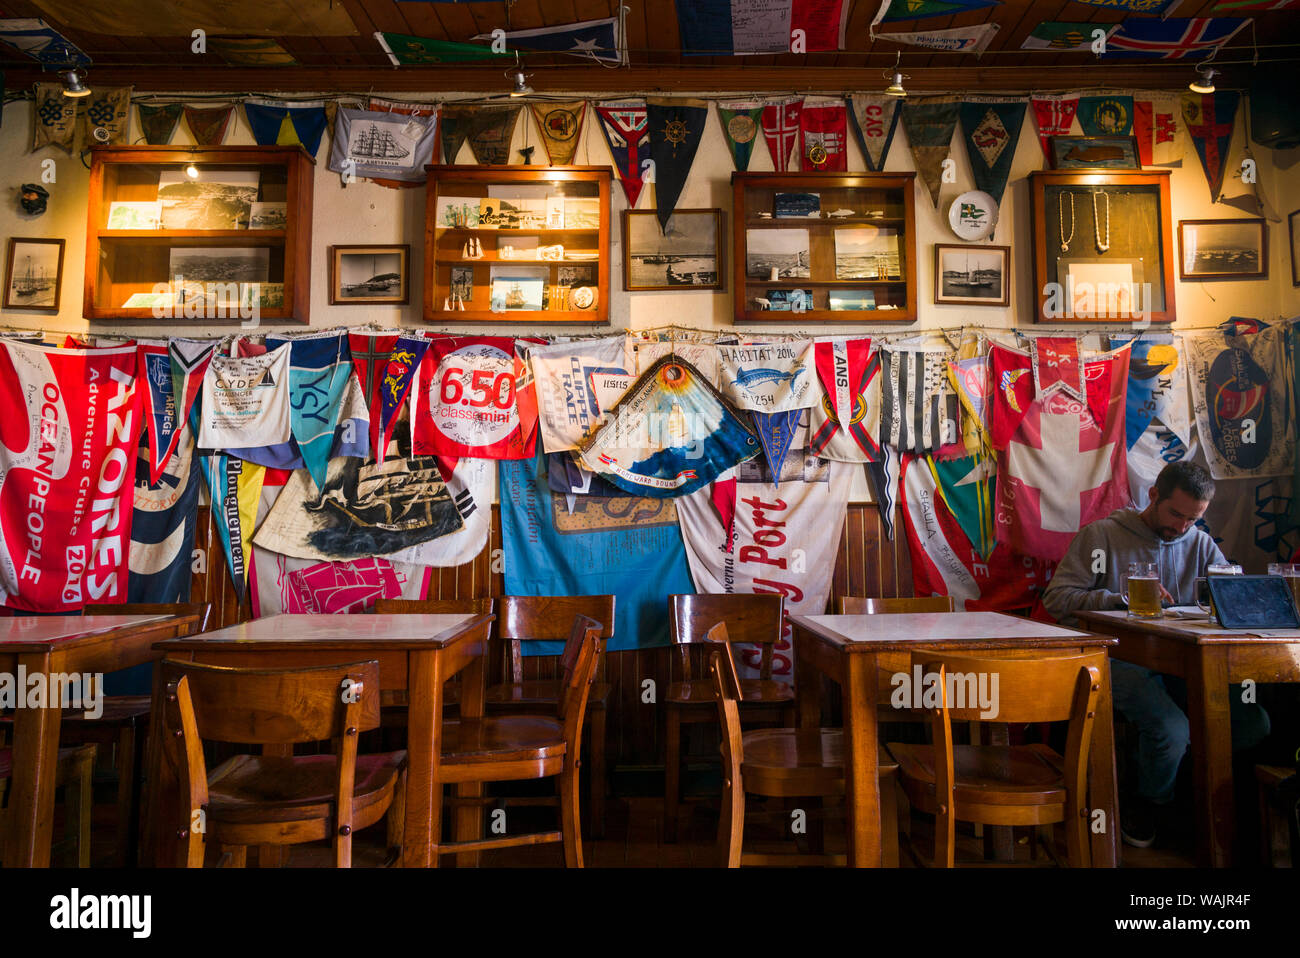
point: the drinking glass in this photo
(1142, 590)
(1204, 599)
(1289, 572)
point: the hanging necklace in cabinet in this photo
(1060, 205)
(1103, 242)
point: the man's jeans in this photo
(1147, 700)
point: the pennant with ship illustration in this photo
(393, 145)
(429, 112)
(625, 125)
(875, 118)
(560, 124)
(675, 127)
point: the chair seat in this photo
(989, 774)
(504, 738)
(787, 761)
(67, 761)
(542, 692)
(753, 692)
(255, 788)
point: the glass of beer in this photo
(1204, 598)
(1292, 575)
(1142, 590)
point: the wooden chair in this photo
(779, 763)
(393, 702)
(1007, 785)
(690, 699)
(123, 726)
(76, 773)
(514, 747)
(271, 800)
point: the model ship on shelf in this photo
(376, 144)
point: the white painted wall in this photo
(365, 213)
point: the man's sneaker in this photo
(1137, 823)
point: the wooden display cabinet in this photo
(876, 261)
(1103, 246)
(126, 262)
(552, 235)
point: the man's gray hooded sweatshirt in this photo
(1109, 545)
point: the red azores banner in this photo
(67, 459)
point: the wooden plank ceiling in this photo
(356, 64)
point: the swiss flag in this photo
(1064, 463)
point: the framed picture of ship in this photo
(1223, 249)
(35, 273)
(972, 275)
(686, 255)
(370, 274)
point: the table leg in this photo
(999, 840)
(807, 684)
(861, 780)
(1103, 792)
(1207, 707)
(423, 829)
(31, 796)
(467, 820)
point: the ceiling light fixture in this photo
(1204, 82)
(896, 78)
(520, 79)
(72, 84)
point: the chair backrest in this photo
(433, 606)
(581, 657)
(857, 605)
(726, 689)
(202, 609)
(750, 618)
(525, 618)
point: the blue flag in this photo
(286, 124)
(630, 548)
(319, 370)
(776, 431)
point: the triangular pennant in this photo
(875, 118)
(490, 131)
(1106, 115)
(399, 374)
(930, 125)
(369, 357)
(992, 132)
(921, 9)
(1209, 119)
(287, 124)
(824, 135)
(208, 125)
(883, 474)
(1057, 366)
(739, 120)
(161, 422)
(1054, 116)
(159, 123)
(966, 487)
(560, 124)
(723, 495)
(675, 128)
(780, 121)
(189, 363)
(454, 131)
(234, 488)
(319, 370)
(776, 431)
(845, 425)
(626, 129)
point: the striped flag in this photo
(1174, 38)
(918, 412)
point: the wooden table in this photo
(416, 655)
(1210, 659)
(62, 644)
(851, 648)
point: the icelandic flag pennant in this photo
(189, 364)
(1056, 366)
(1209, 118)
(399, 374)
(780, 128)
(1174, 38)
(675, 127)
(625, 127)
(846, 423)
(594, 39)
(992, 132)
(1054, 116)
(823, 134)
(161, 423)
(739, 119)
(287, 124)
(1106, 115)
(776, 431)
(874, 120)
(320, 368)
(671, 434)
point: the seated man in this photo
(1164, 533)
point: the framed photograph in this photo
(1293, 226)
(972, 275)
(462, 285)
(777, 254)
(215, 200)
(1094, 152)
(35, 274)
(370, 274)
(867, 252)
(134, 215)
(686, 255)
(1223, 249)
(843, 299)
(268, 216)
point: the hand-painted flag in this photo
(1173, 38)
(626, 131)
(739, 120)
(287, 124)
(594, 39)
(1054, 116)
(675, 128)
(1060, 36)
(406, 50)
(846, 424)
(823, 134)
(780, 128)
(560, 124)
(1106, 115)
(1209, 119)
(992, 132)
(874, 120)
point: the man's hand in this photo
(1165, 597)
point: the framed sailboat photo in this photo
(35, 273)
(972, 275)
(370, 274)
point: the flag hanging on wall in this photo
(725, 27)
(405, 50)
(625, 127)
(780, 122)
(974, 39)
(490, 131)
(1149, 7)
(161, 422)
(158, 123)
(845, 425)
(576, 384)
(287, 124)
(768, 377)
(918, 413)
(628, 547)
(370, 353)
(1209, 119)
(392, 145)
(1157, 421)
(874, 120)
(1106, 115)
(42, 42)
(104, 117)
(595, 39)
(823, 134)
(930, 125)
(55, 121)
(234, 487)
(560, 124)
(425, 111)
(395, 387)
(675, 128)
(245, 401)
(739, 120)
(1054, 116)
(453, 132)
(165, 511)
(208, 125)
(72, 427)
(992, 132)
